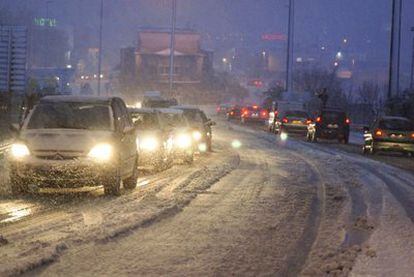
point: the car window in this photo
(299, 114)
(145, 120)
(333, 117)
(64, 115)
(396, 125)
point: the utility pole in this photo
(290, 38)
(399, 48)
(47, 19)
(172, 45)
(391, 54)
(100, 49)
(412, 65)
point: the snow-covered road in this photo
(266, 208)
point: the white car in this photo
(73, 142)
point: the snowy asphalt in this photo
(266, 208)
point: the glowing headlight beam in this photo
(202, 147)
(19, 150)
(283, 136)
(197, 135)
(183, 141)
(101, 152)
(149, 144)
(236, 144)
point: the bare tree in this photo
(370, 95)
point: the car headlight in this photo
(183, 141)
(197, 135)
(149, 143)
(101, 152)
(19, 150)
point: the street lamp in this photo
(100, 48)
(412, 65)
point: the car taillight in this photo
(412, 136)
(264, 113)
(285, 120)
(232, 113)
(245, 113)
(319, 119)
(308, 121)
(218, 109)
(347, 121)
(379, 133)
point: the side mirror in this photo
(14, 129)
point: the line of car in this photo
(386, 133)
(75, 142)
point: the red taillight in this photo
(319, 119)
(245, 113)
(347, 121)
(412, 136)
(232, 113)
(285, 120)
(379, 133)
(264, 114)
(218, 109)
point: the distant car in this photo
(388, 133)
(183, 145)
(222, 109)
(154, 139)
(254, 114)
(234, 113)
(201, 126)
(73, 142)
(292, 122)
(330, 124)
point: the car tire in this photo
(131, 182)
(17, 185)
(112, 185)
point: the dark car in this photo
(394, 134)
(254, 114)
(154, 139)
(329, 124)
(234, 113)
(75, 142)
(292, 122)
(201, 125)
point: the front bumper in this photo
(74, 173)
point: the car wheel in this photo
(18, 186)
(131, 182)
(112, 185)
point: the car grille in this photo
(57, 155)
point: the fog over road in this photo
(266, 208)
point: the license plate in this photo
(297, 122)
(333, 126)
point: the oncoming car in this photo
(388, 133)
(200, 125)
(73, 142)
(182, 140)
(154, 140)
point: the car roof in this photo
(141, 110)
(169, 110)
(394, 118)
(182, 107)
(79, 99)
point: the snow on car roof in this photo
(141, 110)
(169, 110)
(394, 118)
(71, 98)
(184, 107)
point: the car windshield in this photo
(397, 125)
(333, 117)
(175, 120)
(66, 115)
(194, 116)
(297, 114)
(145, 120)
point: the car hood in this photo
(64, 139)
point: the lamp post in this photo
(172, 45)
(412, 65)
(289, 54)
(100, 49)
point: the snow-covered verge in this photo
(41, 240)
